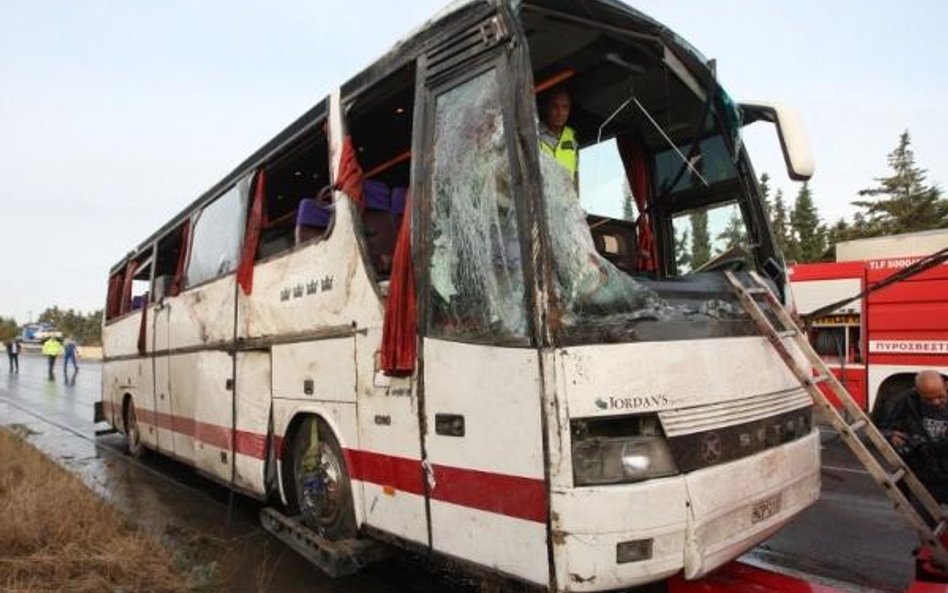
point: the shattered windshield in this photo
(475, 268)
(598, 302)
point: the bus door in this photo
(481, 387)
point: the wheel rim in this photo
(321, 486)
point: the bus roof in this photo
(613, 12)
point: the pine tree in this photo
(765, 193)
(700, 239)
(682, 252)
(809, 232)
(841, 231)
(734, 234)
(905, 201)
(8, 328)
(781, 228)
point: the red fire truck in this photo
(877, 343)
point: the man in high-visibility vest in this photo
(51, 349)
(556, 138)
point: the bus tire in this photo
(133, 433)
(321, 486)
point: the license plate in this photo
(764, 509)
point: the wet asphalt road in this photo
(851, 535)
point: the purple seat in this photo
(312, 218)
(376, 195)
(138, 302)
(398, 199)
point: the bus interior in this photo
(634, 100)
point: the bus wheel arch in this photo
(133, 435)
(316, 481)
(890, 387)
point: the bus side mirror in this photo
(793, 138)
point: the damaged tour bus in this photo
(398, 319)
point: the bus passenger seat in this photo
(381, 226)
(312, 219)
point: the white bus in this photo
(482, 369)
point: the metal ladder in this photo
(885, 465)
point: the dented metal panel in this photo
(252, 442)
(724, 521)
(389, 435)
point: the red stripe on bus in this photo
(246, 443)
(386, 470)
(514, 496)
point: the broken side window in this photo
(477, 288)
(218, 230)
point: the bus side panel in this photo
(323, 370)
(203, 316)
(132, 376)
(202, 323)
(253, 420)
(388, 463)
(212, 399)
(320, 287)
(485, 446)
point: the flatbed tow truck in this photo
(844, 414)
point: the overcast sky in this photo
(114, 115)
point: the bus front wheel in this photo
(323, 492)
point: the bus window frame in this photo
(505, 65)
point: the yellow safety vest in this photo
(566, 151)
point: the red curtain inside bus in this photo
(252, 236)
(130, 268)
(182, 260)
(399, 346)
(350, 173)
(113, 305)
(636, 172)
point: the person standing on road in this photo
(916, 423)
(13, 353)
(70, 351)
(51, 349)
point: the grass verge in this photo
(57, 535)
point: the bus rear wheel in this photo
(133, 434)
(323, 492)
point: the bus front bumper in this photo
(691, 523)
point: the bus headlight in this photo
(612, 460)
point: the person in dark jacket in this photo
(916, 423)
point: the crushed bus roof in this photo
(408, 48)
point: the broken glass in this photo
(475, 268)
(598, 302)
(586, 282)
(215, 248)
